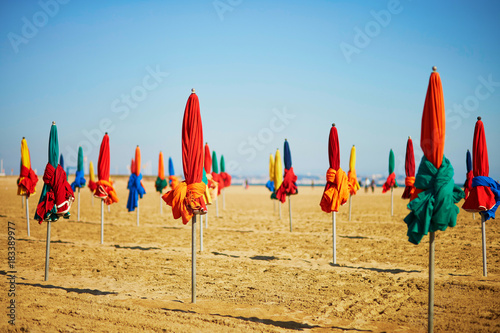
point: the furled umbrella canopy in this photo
(57, 196)
(270, 182)
(391, 179)
(61, 161)
(336, 191)
(172, 178)
(469, 175)
(352, 179)
(224, 175)
(187, 198)
(135, 187)
(26, 183)
(278, 173)
(92, 182)
(79, 176)
(105, 188)
(212, 184)
(433, 203)
(289, 184)
(409, 170)
(484, 196)
(215, 173)
(161, 182)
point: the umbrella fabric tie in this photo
(484, 197)
(185, 199)
(409, 187)
(468, 183)
(173, 182)
(79, 181)
(226, 178)
(27, 182)
(270, 185)
(160, 184)
(220, 182)
(288, 186)
(336, 190)
(434, 207)
(92, 186)
(352, 179)
(58, 198)
(136, 190)
(390, 182)
(106, 191)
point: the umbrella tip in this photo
(333, 125)
(434, 68)
(192, 90)
(478, 118)
(409, 137)
(24, 138)
(53, 123)
(286, 139)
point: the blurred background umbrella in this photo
(186, 199)
(469, 175)
(336, 191)
(135, 187)
(26, 183)
(484, 195)
(270, 182)
(352, 179)
(390, 183)
(432, 204)
(172, 179)
(161, 182)
(104, 189)
(92, 182)
(61, 163)
(217, 178)
(226, 179)
(409, 170)
(288, 186)
(212, 185)
(278, 178)
(57, 196)
(79, 178)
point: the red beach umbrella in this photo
(336, 191)
(484, 196)
(409, 170)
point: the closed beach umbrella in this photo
(432, 204)
(172, 179)
(278, 177)
(26, 183)
(270, 182)
(390, 183)
(288, 186)
(79, 178)
(161, 181)
(92, 182)
(484, 196)
(187, 199)
(104, 189)
(352, 179)
(61, 161)
(135, 187)
(226, 179)
(212, 184)
(57, 195)
(336, 191)
(409, 170)
(217, 178)
(469, 175)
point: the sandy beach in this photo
(253, 274)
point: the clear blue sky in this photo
(263, 71)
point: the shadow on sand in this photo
(379, 270)
(136, 247)
(69, 290)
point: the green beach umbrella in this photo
(390, 183)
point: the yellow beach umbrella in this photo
(278, 176)
(352, 179)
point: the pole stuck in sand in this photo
(350, 197)
(78, 219)
(193, 260)
(334, 236)
(483, 232)
(47, 252)
(27, 216)
(201, 233)
(102, 221)
(290, 212)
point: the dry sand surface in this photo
(254, 275)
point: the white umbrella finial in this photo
(434, 68)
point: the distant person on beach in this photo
(246, 184)
(373, 185)
(312, 183)
(367, 184)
